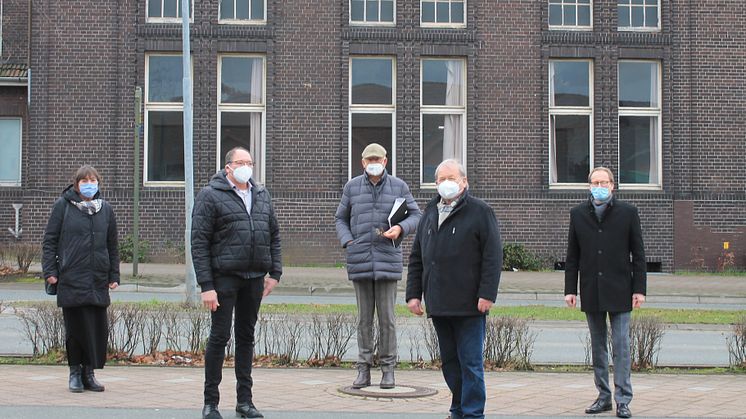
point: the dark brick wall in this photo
(88, 57)
(15, 31)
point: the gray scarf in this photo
(89, 207)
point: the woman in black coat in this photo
(81, 257)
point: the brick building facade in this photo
(530, 93)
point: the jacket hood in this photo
(220, 182)
(71, 194)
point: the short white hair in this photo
(451, 162)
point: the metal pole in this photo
(136, 190)
(191, 277)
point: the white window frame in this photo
(243, 107)
(234, 21)
(161, 19)
(640, 28)
(365, 21)
(157, 106)
(371, 109)
(571, 110)
(649, 111)
(564, 27)
(443, 110)
(20, 152)
(443, 25)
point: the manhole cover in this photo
(398, 392)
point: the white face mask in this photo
(242, 174)
(374, 169)
(448, 189)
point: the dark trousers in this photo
(245, 295)
(622, 360)
(86, 335)
(461, 342)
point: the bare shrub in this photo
(508, 343)
(279, 337)
(196, 327)
(330, 336)
(151, 328)
(645, 334)
(25, 253)
(125, 322)
(737, 344)
(43, 326)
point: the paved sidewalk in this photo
(285, 393)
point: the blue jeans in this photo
(461, 341)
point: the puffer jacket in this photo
(81, 250)
(226, 240)
(361, 215)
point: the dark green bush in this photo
(126, 246)
(516, 256)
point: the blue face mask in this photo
(88, 190)
(600, 193)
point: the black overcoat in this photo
(609, 255)
(458, 263)
(81, 250)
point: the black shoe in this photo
(387, 381)
(211, 412)
(248, 411)
(363, 377)
(622, 410)
(599, 406)
(89, 380)
(76, 379)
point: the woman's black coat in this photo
(81, 251)
(609, 254)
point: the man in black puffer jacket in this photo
(235, 245)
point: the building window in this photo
(372, 12)
(638, 14)
(570, 14)
(10, 151)
(164, 120)
(241, 106)
(639, 124)
(167, 11)
(570, 121)
(243, 11)
(372, 108)
(442, 114)
(443, 13)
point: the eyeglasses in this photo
(242, 163)
(603, 183)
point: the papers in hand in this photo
(398, 213)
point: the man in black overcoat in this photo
(605, 246)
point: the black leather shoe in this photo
(598, 406)
(75, 383)
(89, 380)
(622, 410)
(387, 381)
(248, 411)
(211, 412)
(363, 377)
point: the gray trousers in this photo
(620, 351)
(376, 297)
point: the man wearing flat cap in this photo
(374, 261)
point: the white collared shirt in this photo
(245, 195)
